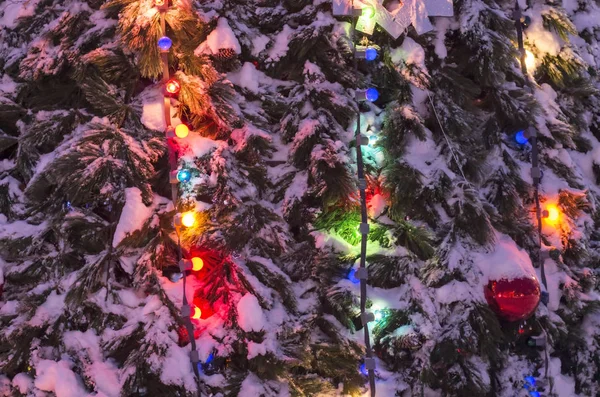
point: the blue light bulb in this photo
(209, 358)
(372, 94)
(184, 175)
(351, 276)
(530, 380)
(371, 54)
(521, 138)
(164, 43)
(175, 277)
(363, 370)
(535, 394)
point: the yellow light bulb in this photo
(197, 313)
(530, 62)
(368, 12)
(197, 264)
(188, 219)
(553, 213)
(182, 131)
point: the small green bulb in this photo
(368, 12)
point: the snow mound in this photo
(194, 146)
(57, 377)
(11, 11)
(134, 214)
(23, 383)
(220, 38)
(250, 314)
(507, 261)
(281, 44)
(153, 109)
(247, 77)
(410, 52)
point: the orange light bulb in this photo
(553, 213)
(182, 131)
(188, 219)
(172, 86)
(197, 264)
(197, 313)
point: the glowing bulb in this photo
(363, 370)
(368, 12)
(378, 315)
(373, 139)
(164, 43)
(521, 138)
(370, 54)
(159, 3)
(530, 61)
(372, 94)
(197, 313)
(352, 277)
(184, 175)
(197, 264)
(553, 213)
(182, 131)
(172, 86)
(530, 380)
(188, 219)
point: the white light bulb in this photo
(530, 61)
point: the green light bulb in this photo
(368, 12)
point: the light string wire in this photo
(536, 176)
(364, 229)
(186, 308)
(453, 153)
(535, 168)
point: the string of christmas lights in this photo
(371, 94)
(530, 134)
(186, 219)
(551, 213)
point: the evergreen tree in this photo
(91, 295)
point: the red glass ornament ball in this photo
(513, 300)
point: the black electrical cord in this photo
(186, 308)
(535, 168)
(364, 228)
(535, 173)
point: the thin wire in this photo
(454, 156)
(364, 220)
(174, 195)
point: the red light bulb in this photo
(172, 87)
